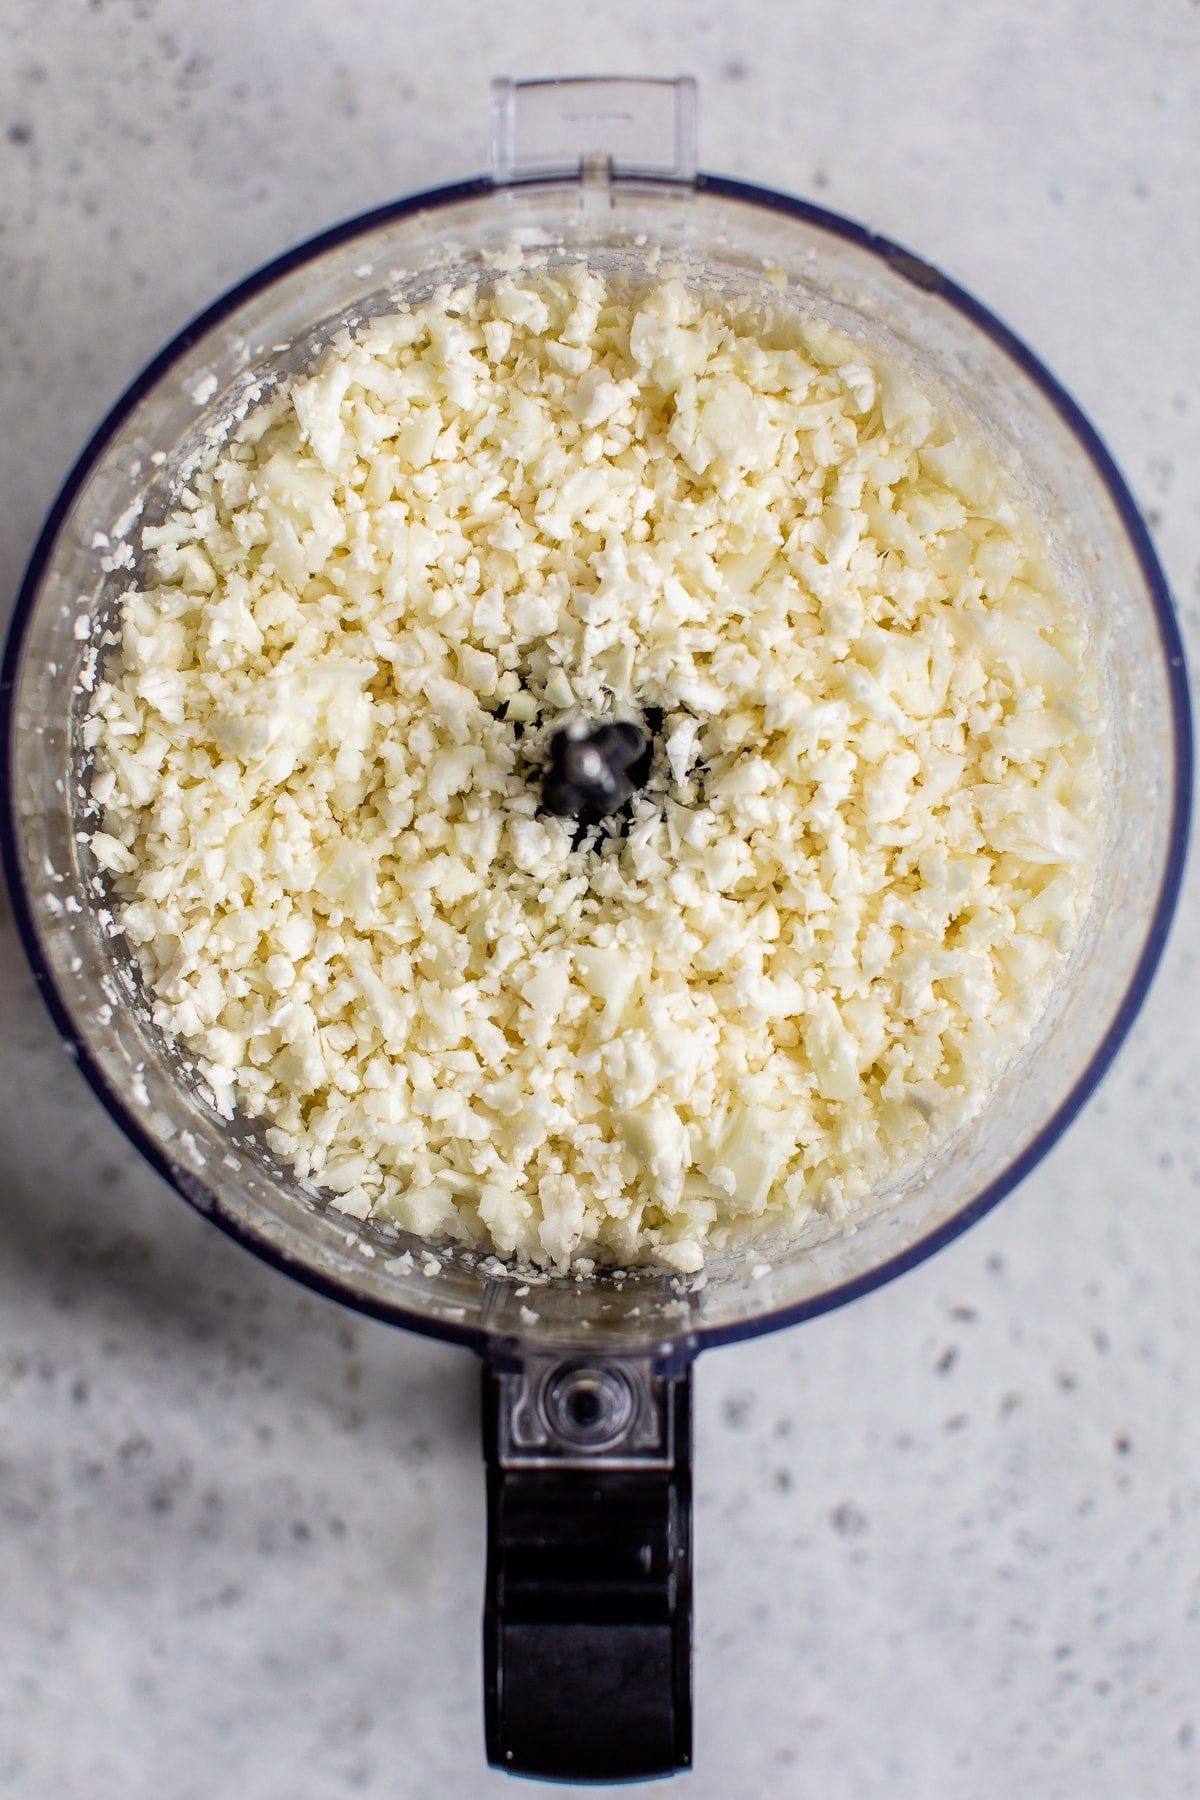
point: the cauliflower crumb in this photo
(830, 917)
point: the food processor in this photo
(587, 1376)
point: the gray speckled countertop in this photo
(948, 1540)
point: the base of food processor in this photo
(587, 1613)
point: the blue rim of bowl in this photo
(692, 1338)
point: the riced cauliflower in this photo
(826, 923)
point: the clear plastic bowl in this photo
(724, 233)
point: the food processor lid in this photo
(678, 1316)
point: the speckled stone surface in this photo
(948, 1541)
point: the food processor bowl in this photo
(587, 1377)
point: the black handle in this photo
(587, 1614)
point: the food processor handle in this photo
(587, 1613)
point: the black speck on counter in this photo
(847, 1520)
(20, 132)
(415, 1454)
(736, 1411)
